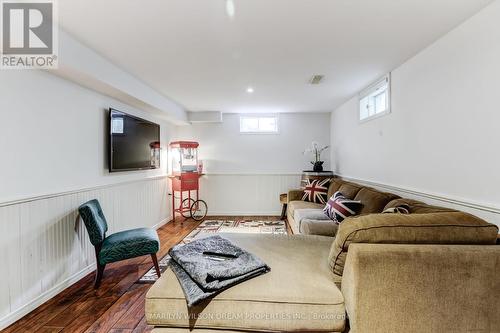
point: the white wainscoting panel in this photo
(43, 249)
(246, 194)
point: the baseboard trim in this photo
(438, 197)
(44, 297)
(259, 213)
(27, 308)
(163, 222)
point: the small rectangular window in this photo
(258, 124)
(375, 100)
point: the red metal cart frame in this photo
(186, 184)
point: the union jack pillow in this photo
(339, 207)
(316, 191)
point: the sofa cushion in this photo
(418, 207)
(293, 206)
(432, 228)
(426, 209)
(349, 190)
(403, 201)
(334, 186)
(373, 201)
(298, 294)
(299, 204)
(314, 214)
(318, 227)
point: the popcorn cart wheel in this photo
(186, 172)
(196, 209)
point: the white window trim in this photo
(369, 90)
(263, 115)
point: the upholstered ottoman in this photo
(298, 293)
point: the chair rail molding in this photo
(489, 212)
(86, 189)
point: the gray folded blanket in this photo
(209, 265)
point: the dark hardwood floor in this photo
(118, 305)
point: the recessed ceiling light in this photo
(249, 90)
(230, 10)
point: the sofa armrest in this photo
(430, 228)
(422, 288)
(294, 195)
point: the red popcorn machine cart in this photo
(186, 171)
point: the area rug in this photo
(216, 226)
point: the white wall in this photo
(52, 136)
(246, 172)
(224, 150)
(53, 158)
(442, 137)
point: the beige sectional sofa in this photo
(434, 270)
(374, 202)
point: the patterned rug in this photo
(216, 226)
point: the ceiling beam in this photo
(86, 67)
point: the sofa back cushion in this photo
(373, 201)
(335, 184)
(418, 207)
(430, 228)
(349, 190)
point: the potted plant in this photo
(316, 151)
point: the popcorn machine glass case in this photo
(184, 157)
(185, 180)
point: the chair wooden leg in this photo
(283, 211)
(98, 275)
(155, 262)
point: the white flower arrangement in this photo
(316, 151)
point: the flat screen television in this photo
(134, 143)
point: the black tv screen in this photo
(134, 143)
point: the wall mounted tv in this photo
(134, 143)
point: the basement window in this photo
(375, 101)
(259, 124)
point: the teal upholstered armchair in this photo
(118, 246)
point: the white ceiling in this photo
(192, 52)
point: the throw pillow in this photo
(401, 209)
(339, 207)
(316, 191)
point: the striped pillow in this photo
(401, 209)
(339, 207)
